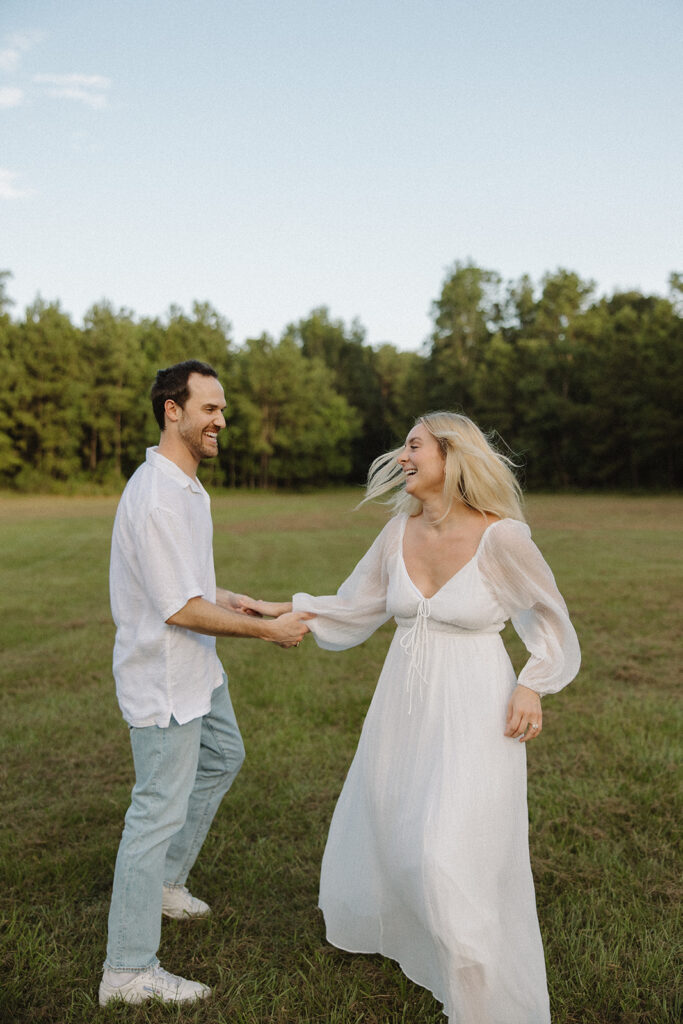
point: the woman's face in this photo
(422, 463)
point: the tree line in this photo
(585, 391)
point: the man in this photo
(171, 687)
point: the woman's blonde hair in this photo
(475, 472)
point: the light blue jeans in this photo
(181, 775)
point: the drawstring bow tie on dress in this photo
(414, 643)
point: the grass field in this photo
(602, 790)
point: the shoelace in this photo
(159, 973)
(414, 643)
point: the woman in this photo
(427, 858)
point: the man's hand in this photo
(289, 629)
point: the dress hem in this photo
(389, 956)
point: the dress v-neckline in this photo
(450, 579)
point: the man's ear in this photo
(171, 410)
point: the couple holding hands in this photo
(427, 858)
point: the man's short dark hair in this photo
(172, 383)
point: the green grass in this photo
(603, 793)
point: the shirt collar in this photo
(165, 465)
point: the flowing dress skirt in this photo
(427, 860)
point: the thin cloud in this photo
(15, 45)
(9, 60)
(89, 89)
(10, 96)
(8, 190)
(25, 40)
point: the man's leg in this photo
(221, 754)
(165, 769)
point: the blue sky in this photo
(272, 157)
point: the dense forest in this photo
(585, 390)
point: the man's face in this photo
(202, 417)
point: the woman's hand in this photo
(272, 609)
(524, 717)
(233, 602)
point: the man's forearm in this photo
(202, 616)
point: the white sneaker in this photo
(156, 982)
(178, 902)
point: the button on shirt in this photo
(161, 556)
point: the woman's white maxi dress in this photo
(427, 858)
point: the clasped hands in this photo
(290, 626)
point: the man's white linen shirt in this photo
(161, 556)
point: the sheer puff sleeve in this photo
(522, 583)
(359, 607)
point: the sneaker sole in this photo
(184, 915)
(135, 998)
